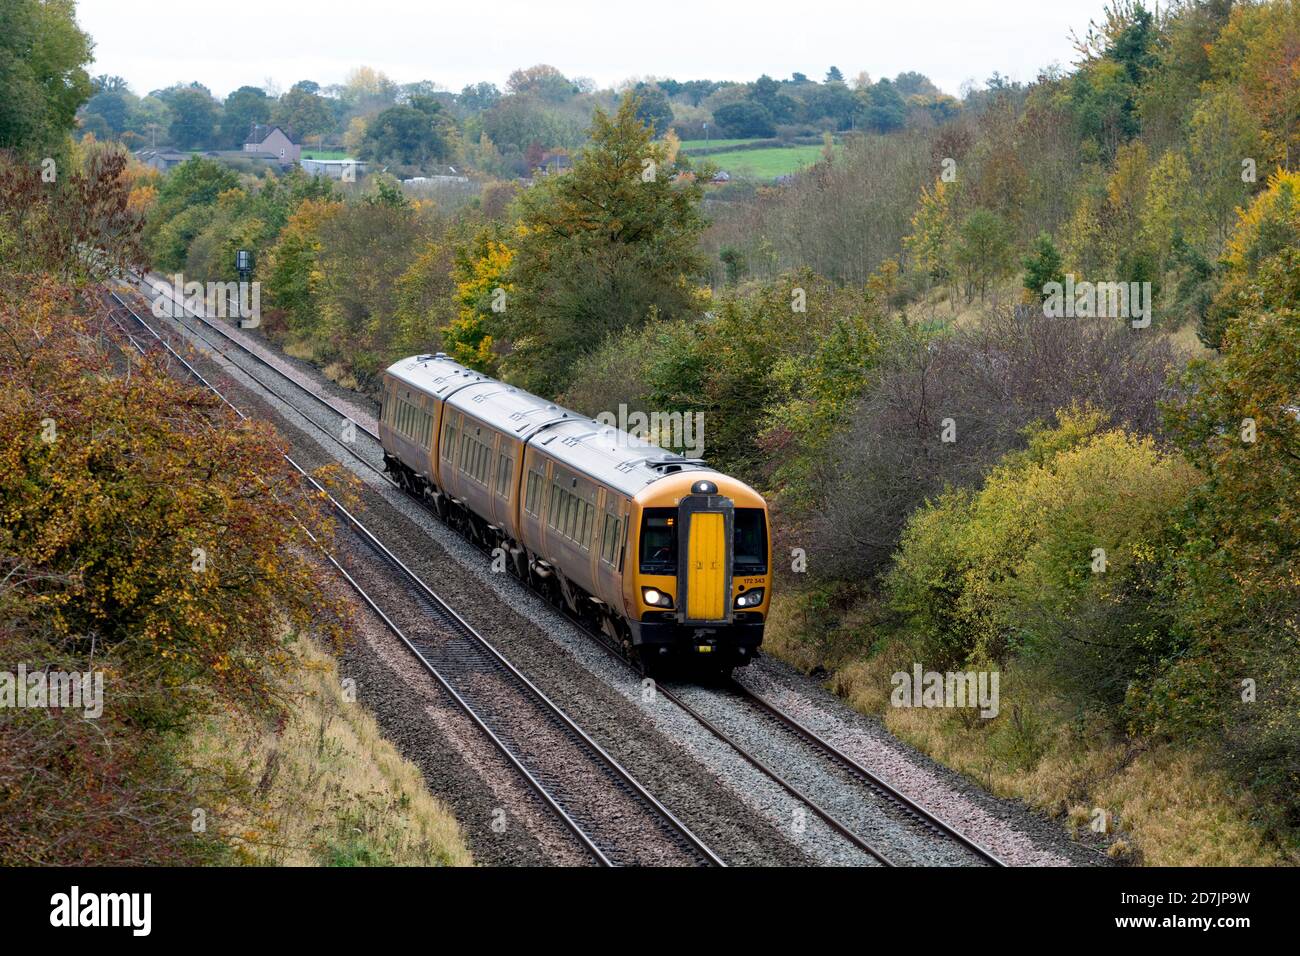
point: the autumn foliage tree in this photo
(602, 248)
(146, 533)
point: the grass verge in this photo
(321, 787)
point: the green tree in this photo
(43, 55)
(1042, 265)
(653, 108)
(303, 112)
(412, 136)
(601, 248)
(983, 252)
(883, 110)
(244, 108)
(194, 117)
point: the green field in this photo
(766, 163)
(707, 143)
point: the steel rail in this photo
(457, 622)
(873, 781)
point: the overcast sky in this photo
(225, 44)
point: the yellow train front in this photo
(701, 581)
(661, 553)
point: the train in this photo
(668, 558)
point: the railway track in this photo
(877, 814)
(616, 820)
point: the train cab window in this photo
(659, 541)
(749, 550)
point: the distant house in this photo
(161, 159)
(273, 141)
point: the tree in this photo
(833, 75)
(303, 112)
(1042, 265)
(653, 108)
(481, 269)
(1238, 596)
(244, 108)
(476, 99)
(113, 106)
(884, 110)
(412, 136)
(1260, 260)
(43, 55)
(194, 117)
(607, 246)
(983, 252)
(745, 119)
(543, 81)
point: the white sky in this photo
(225, 44)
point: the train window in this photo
(530, 501)
(607, 540)
(557, 501)
(449, 441)
(659, 541)
(571, 516)
(588, 512)
(505, 467)
(749, 551)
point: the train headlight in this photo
(656, 598)
(750, 598)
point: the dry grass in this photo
(337, 373)
(323, 788)
(1163, 804)
(303, 351)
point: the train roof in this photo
(506, 408)
(604, 453)
(435, 375)
(612, 457)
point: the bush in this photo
(992, 382)
(1056, 558)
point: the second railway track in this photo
(886, 826)
(607, 810)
